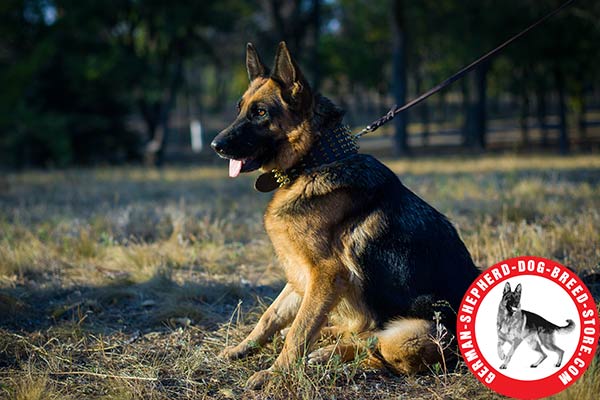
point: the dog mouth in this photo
(243, 157)
(237, 166)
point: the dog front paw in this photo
(503, 366)
(233, 352)
(258, 379)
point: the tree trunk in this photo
(480, 128)
(523, 115)
(563, 138)
(423, 109)
(316, 19)
(581, 123)
(399, 77)
(541, 115)
(222, 77)
(467, 110)
(150, 114)
(155, 150)
(151, 125)
(166, 114)
(442, 107)
(291, 23)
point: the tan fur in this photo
(406, 345)
(298, 136)
(299, 141)
(309, 222)
(331, 287)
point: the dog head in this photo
(511, 300)
(272, 128)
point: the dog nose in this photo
(217, 145)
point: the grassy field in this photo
(125, 283)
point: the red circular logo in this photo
(527, 327)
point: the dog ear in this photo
(254, 64)
(285, 69)
(289, 76)
(518, 290)
(506, 288)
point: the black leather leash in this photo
(395, 110)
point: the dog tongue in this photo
(235, 167)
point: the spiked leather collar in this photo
(330, 147)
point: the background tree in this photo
(157, 39)
(86, 83)
(399, 71)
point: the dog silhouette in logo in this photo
(515, 325)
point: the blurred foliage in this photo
(63, 100)
(72, 72)
(75, 73)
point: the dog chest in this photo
(303, 231)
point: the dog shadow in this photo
(159, 303)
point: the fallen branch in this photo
(100, 375)
(125, 377)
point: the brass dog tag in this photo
(266, 182)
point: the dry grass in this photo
(125, 283)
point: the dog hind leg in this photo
(327, 332)
(548, 341)
(535, 345)
(347, 351)
(405, 346)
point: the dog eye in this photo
(261, 112)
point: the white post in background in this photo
(196, 135)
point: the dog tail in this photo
(567, 328)
(405, 346)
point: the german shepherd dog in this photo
(516, 325)
(363, 255)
